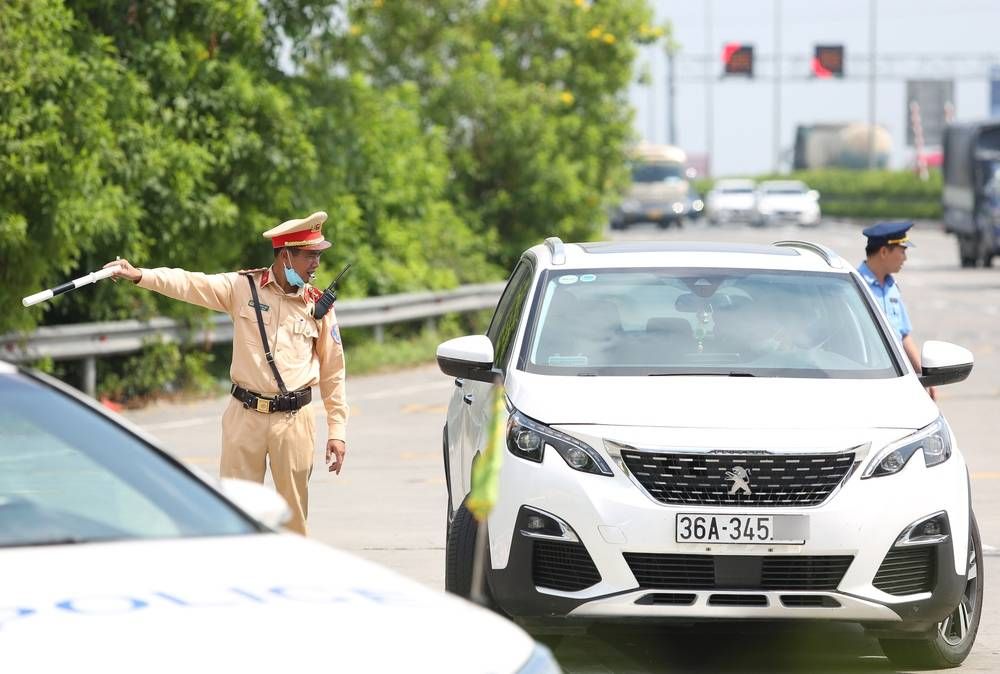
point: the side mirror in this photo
(944, 363)
(813, 194)
(262, 503)
(469, 357)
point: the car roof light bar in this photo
(555, 245)
(830, 257)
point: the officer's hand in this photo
(932, 393)
(125, 270)
(335, 450)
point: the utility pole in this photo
(672, 47)
(872, 15)
(709, 110)
(777, 87)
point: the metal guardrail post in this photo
(380, 333)
(90, 375)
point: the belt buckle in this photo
(263, 405)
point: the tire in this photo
(954, 637)
(460, 551)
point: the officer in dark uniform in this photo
(885, 254)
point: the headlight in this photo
(527, 439)
(934, 441)
(678, 207)
(540, 662)
(697, 205)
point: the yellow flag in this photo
(486, 467)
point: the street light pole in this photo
(872, 15)
(709, 111)
(777, 86)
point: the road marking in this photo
(987, 475)
(990, 551)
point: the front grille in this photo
(562, 566)
(680, 572)
(737, 600)
(717, 479)
(908, 571)
(804, 573)
(707, 572)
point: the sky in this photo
(936, 39)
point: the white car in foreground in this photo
(791, 201)
(116, 558)
(714, 431)
(731, 200)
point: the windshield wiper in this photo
(734, 373)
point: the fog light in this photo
(893, 462)
(535, 523)
(931, 528)
(577, 458)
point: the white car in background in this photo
(786, 201)
(714, 432)
(116, 558)
(731, 200)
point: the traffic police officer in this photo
(885, 254)
(268, 418)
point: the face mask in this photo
(293, 277)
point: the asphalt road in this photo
(388, 505)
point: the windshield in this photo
(70, 475)
(784, 189)
(654, 173)
(735, 190)
(705, 321)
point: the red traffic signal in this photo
(828, 61)
(738, 59)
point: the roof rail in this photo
(830, 257)
(555, 245)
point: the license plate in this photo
(753, 529)
(653, 214)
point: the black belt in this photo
(288, 402)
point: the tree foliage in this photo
(442, 137)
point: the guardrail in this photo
(88, 341)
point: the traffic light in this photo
(738, 59)
(828, 61)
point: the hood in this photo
(261, 603)
(733, 200)
(724, 403)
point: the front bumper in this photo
(613, 521)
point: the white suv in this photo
(713, 431)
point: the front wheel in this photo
(460, 558)
(954, 636)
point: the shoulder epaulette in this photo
(248, 272)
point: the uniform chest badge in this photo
(263, 307)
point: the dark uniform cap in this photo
(889, 234)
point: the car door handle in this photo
(468, 398)
(459, 382)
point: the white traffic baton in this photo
(92, 277)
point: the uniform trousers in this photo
(251, 440)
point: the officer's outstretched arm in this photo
(212, 291)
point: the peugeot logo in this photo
(741, 480)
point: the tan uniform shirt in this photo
(307, 352)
